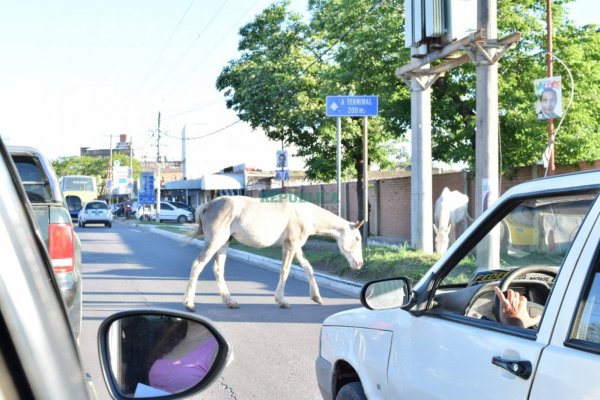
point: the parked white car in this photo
(443, 338)
(95, 212)
(169, 212)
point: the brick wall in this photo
(390, 198)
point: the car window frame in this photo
(570, 341)
(430, 283)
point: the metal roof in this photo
(210, 182)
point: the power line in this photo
(185, 53)
(217, 44)
(206, 135)
(170, 38)
(318, 59)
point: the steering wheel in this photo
(533, 308)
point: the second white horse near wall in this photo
(450, 213)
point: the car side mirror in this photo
(386, 293)
(154, 353)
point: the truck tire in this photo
(351, 391)
(181, 219)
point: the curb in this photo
(328, 281)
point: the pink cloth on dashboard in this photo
(175, 376)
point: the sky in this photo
(80, 73)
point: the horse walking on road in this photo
(283, 220)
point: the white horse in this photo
(450, 211)
(283, 220)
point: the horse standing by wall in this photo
(449, 213)
(283, 220)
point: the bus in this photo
(77, 189)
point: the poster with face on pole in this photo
(548, 92)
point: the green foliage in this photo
(287, 67)
(380, 261)
(523, 137)
(93, 166)
(280, 81)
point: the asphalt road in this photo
(274, 349)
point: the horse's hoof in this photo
(233, 305)
(191, 308)
(317, 299)
(284, 304)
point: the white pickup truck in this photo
(442, 338)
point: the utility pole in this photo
(110, 175)
(549, 74)
(486, 142)
(158, 170)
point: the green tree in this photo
(287, 67)
(93, 166)
(524, 138)
(284, 73)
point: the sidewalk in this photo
(328, 281)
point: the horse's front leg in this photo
(219, 270)
(308, 269)
(288, 256)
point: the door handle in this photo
(522, 369)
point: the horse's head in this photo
(350, 244)
(442, 238)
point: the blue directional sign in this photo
(146, 194)
(351, 106)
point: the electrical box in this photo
(437, 22)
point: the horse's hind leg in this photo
(197, 267)
(219, 270)
(308, 269)
(288, 256)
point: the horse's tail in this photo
(199, 211)
(199, 232)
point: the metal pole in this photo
(550, 72)
(338, 124)
(365, 178)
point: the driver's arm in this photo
(513, 309)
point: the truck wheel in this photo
(181, 219)
(108, 224)
(351, 391)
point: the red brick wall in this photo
(390, 199)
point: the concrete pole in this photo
(486, 147)
(421, 204)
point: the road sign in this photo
(351, 106)
(146, 194)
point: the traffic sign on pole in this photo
(351, 106)
(146, 194)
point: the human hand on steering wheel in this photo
(514, 310)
